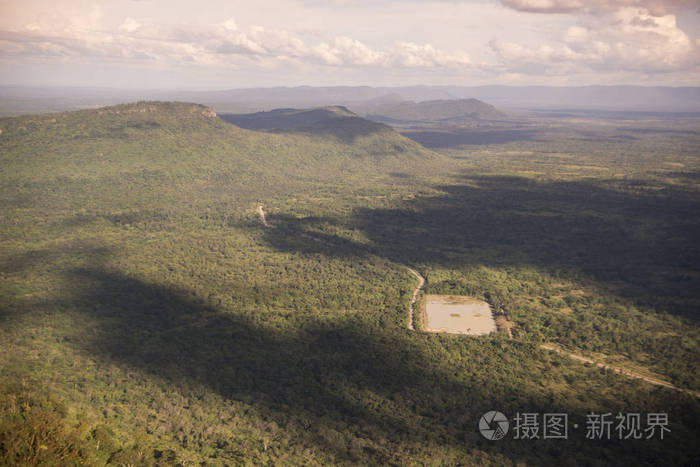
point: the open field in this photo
(458, 315)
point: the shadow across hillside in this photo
(626, 233)
(336, 122)
(347, 387)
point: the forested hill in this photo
(155, 119)
(335, 120)
(164, 146)
(437, 110)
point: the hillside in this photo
(290, 119)
(437, 110)
(334, 121)
(149, 317)
(177, 144)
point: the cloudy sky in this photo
(214, 44)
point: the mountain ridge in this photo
(184, 141)
(438, 110)
(330, 121)
(18, 100)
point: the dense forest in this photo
(148, 317)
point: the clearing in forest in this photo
(458, 314)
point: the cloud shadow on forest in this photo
(328, 375)
(325, 122)
(633, 235)
(323, 378)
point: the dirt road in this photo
(411, 309)
(622, 371)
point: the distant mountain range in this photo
(437, 110)
(364, 100)
(335, 119)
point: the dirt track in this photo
(622, 371)
(411, 309)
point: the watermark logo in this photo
(493, 425)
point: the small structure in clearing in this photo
(458, 314)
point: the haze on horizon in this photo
(232, 44)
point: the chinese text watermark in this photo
(494, 425)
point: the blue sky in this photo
(231, 44)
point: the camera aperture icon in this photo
(493, 425)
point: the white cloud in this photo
(425, 55)
(626, 39)
(543, 60)
(220, 45)
(129, 25)
(446, 41)
(346, 51)
(278, 43)
(653, 7)
(230, 24)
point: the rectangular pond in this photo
(458, 314)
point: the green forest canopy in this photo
(148, 317)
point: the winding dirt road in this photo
(622, 371)
(411, 308)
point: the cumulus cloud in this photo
(129, 25)
(230, 24)
(610, 36)
(629, 39)
(589, 37)
(220, 44)
(425, 55)
(653, 7)
(542, 60)
(347, 51)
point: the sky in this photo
(222, 44)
